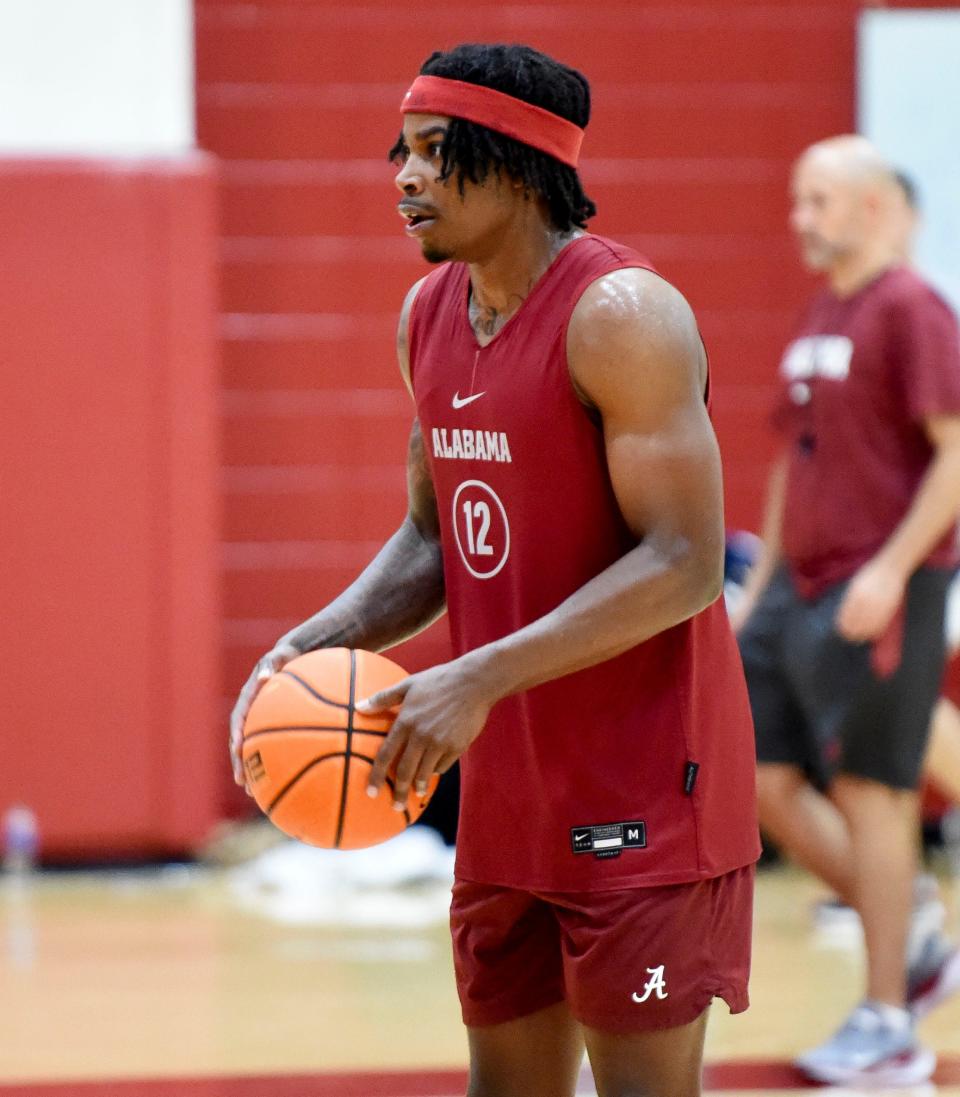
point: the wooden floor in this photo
(172, 982)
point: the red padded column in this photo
(108, 567)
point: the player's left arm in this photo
(635, 356)
(876, 591)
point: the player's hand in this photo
(268, 665)
(442, 710)
(870, 602)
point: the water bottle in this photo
(20, 837)
(20, 841)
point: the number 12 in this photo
(480, 513)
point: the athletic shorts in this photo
(625, 961)
(828, 705)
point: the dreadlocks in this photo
(471, 151)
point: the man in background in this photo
(843, 635)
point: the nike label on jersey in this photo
(609, 839)
(462, 401)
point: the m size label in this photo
(608, 839)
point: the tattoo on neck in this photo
(487, 320)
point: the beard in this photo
(433, 254)
(818, 253)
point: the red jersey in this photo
(639, 770)
(857, 384)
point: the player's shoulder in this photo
(432, 283)
(424, 291)
(633, 331)
(411, 296)
(631, 297)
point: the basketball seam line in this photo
(346, 763)
(293, 780)
(312, 691)
(346, 755)
(309, 727)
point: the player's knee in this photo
(863, 794)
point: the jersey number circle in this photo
(481, 528)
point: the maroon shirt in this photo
(659, 737)
(858, 382)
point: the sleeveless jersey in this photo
(636, 771)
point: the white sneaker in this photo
(934, 975)
(867, 1050)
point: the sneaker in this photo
(934, 975)
(929, 912)
(869, 1050)
(832, 913)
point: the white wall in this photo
(94, 77)
(909, 105)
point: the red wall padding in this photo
(110, 568)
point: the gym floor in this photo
(191, 982)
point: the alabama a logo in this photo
(654, 985)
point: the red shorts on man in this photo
(629, 960)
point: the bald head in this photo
(851, 160)
(843, 191)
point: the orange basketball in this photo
(307, 753)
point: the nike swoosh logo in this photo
(462, 401)
(580, 837)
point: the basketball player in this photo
(843, 643)
(565, 509)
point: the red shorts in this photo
(625, 961)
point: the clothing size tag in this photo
(608, 839)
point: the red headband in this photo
(524, 122)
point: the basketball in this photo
(307, 754)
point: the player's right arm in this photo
(398, 594)
(762, 571)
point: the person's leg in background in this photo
(881, 824)
(805, 824)
(942, 762)
(812, 692)
(794, 815)
(873, 731)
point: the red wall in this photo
(699, 110)
(109, 561)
